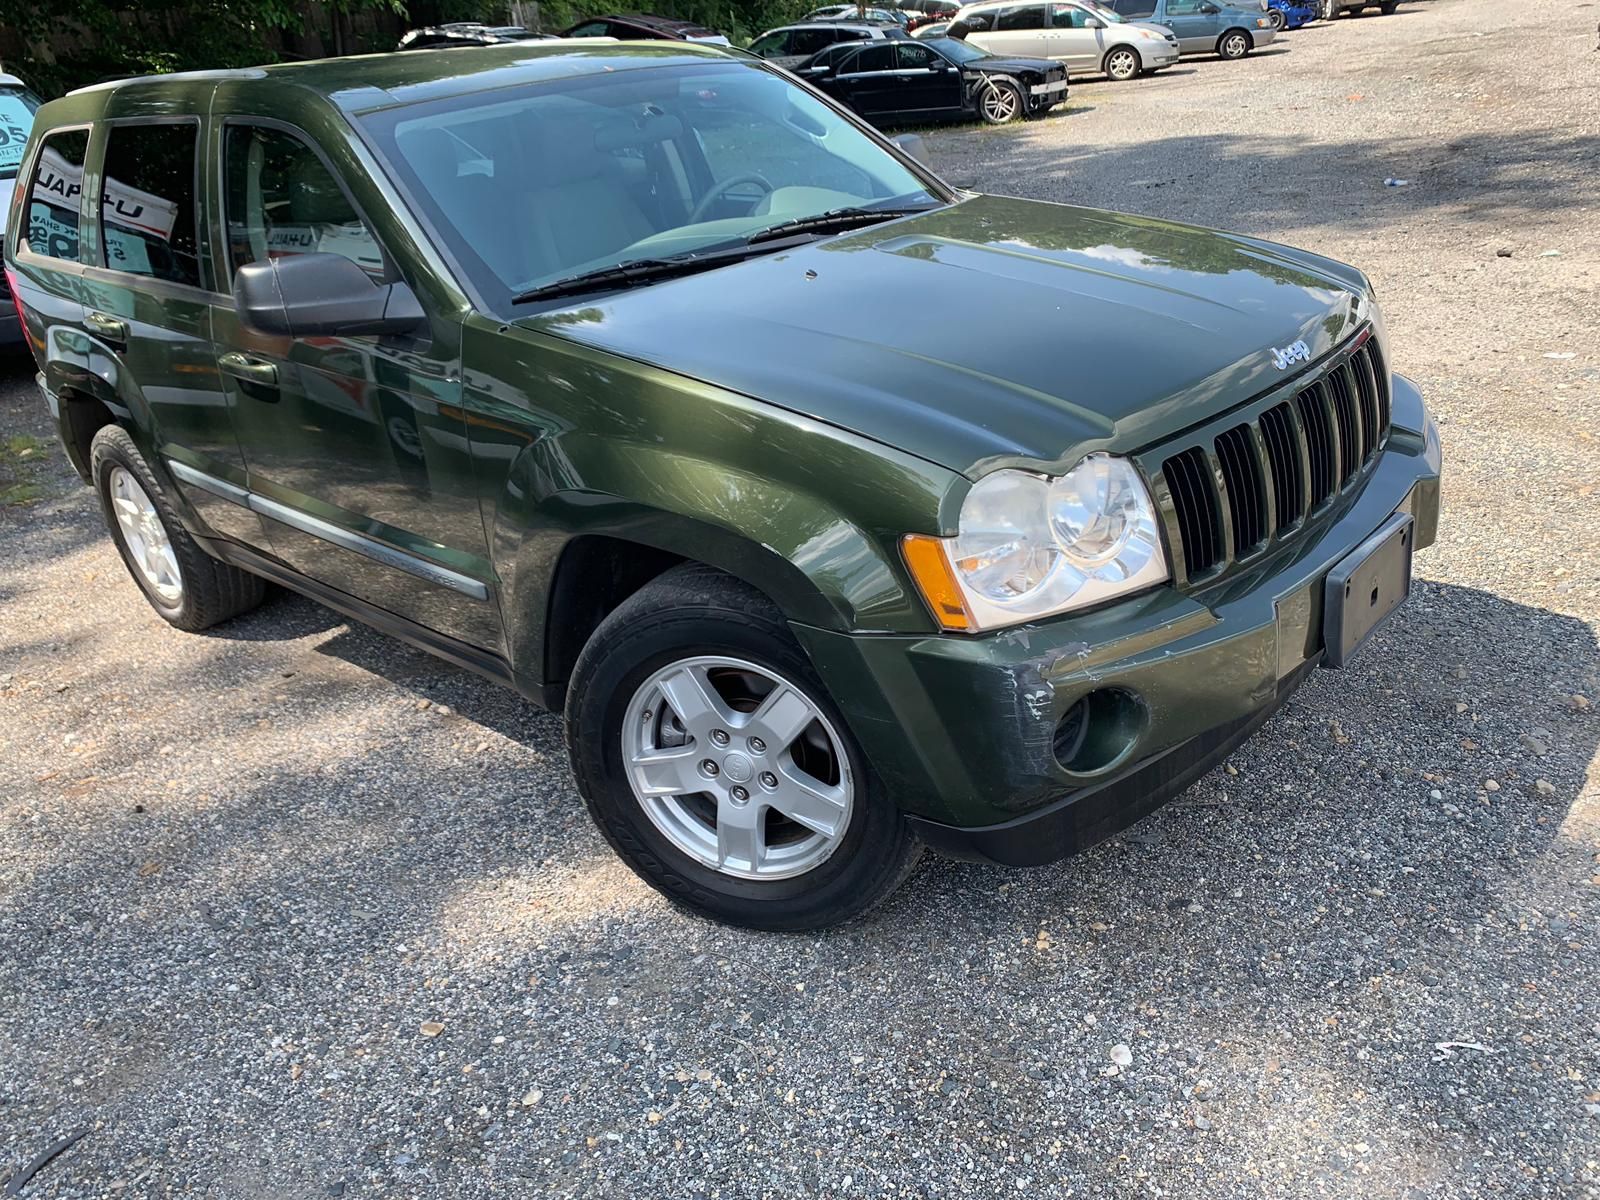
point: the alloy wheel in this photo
(738, 767)
(1124, 64)
(148, 546)
(1235, 45)
(999, 104)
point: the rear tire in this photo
(1122, 63)
(1234, 44)
(1330, 9)
(697, 634)
(1388, 10)
(190, 589)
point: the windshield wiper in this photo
(630, 274)
(833, 219)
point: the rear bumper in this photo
(966, 731)
(10, 327)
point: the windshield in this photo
(956, 50)
(16, 119)
(529, 185)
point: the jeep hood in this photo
(991, 330)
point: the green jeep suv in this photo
(602, 370)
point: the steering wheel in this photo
(719, 189)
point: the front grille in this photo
(1254, 484)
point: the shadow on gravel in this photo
(1483, 179)
(1315, 924)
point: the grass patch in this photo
(22, 461)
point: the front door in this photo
(929, 86)
(1073, 37)
(147, 302)
(355, 445)
(1195, 22)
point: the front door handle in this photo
(251, 370)
(110, 328)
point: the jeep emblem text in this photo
(1296, 352)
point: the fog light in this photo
(1099, 731)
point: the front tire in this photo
(1000, 103)
(1389, 9)
(1122, 63)
(1234, 45)
(185, 585)
(1276, 19)
(715, 763)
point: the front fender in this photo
(569, 442)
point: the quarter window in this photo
(54, 195)
(282, 200)
(147, 209)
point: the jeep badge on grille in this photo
(1296, 352)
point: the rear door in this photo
(1018, 32)
(868, 77)
(355, 445)
(148, 292)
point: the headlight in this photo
(1031, 547)
(1262, 23)
(1145, 33)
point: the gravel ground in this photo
(292, 911)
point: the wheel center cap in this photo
(738, 768)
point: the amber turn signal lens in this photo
(930, 568)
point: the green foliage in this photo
(60, 44)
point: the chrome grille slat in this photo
(1262, 478)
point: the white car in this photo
(1087, 38)
(17, 106)
(791, 45)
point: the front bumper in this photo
(963, 730)
(1157, 54)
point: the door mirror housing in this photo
(321, 295)
(915, 145)
(1210, 10)
(1093, 23)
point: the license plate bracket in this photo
(1364, 587)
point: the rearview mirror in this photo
(915, 145)
(311, 295)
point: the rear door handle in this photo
(110, 328)
(251, 370)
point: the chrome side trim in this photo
(329, 532)
(209, 483)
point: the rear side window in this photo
(1029, 16)
(282, 200)
(147, 206)
(54, 194)
(16, 119)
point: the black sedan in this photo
(934, 79)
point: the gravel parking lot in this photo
(290, 910)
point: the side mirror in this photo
(1093, 23)
(914, 145)
(311, 295)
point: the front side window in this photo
(16, 119)
(591, 29)
(281, 200)
(147, 205)
(54, 195)
(525, 186)
(981, 21)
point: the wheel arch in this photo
(1230, 31)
